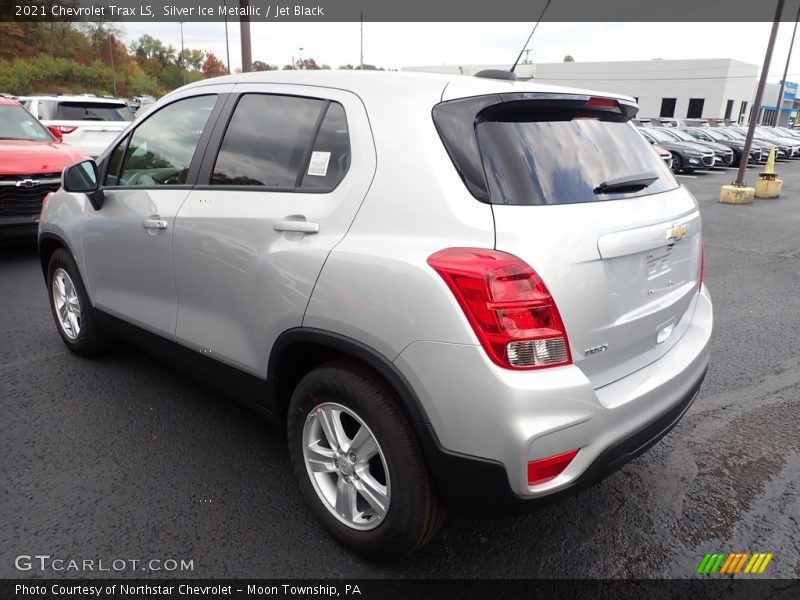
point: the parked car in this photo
(790, 144)
(721, 135)
(87, 122)
(723, 155)
(782, 151)
(31, 160)
(686, 156)
(448, 303)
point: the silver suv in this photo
(455, 293)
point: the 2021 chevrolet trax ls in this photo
(455, 292)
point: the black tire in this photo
(414, 514)
(677, 163)
(90, 341)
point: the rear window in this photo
(537, 149)
(548, 155)
(84, 111)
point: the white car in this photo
(87, 122)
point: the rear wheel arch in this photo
(298, 351)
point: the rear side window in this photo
(564, 156)
(284, 142)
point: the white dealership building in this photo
(698, 88)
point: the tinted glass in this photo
(92, 111)
(561, 156)
(267, 141)
(162, 147)
(330, 158)
(16, 123)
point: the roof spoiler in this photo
(496, 74)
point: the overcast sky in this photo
(395, 45)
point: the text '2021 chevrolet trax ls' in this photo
(455, 292)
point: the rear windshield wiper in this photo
(630, 183)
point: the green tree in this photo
(262, 66)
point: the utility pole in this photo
(759, 95)
(247, 51)
(779, 103)
(111, 54)
(183, 66)
(527, 55)
(227, 44)
(362, 40)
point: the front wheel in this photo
(677, 163)
(358, 464)
(71, 308)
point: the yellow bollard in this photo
(768, 184)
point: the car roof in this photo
(368, 83)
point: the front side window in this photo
(269, 140)
(162, 147)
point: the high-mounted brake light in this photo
(597, 102)
(507, 304)
(545, 469)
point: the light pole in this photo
(183, 66)
(247, 51)
(748, 142)
(779, 103)
(302, 64)
(227, 44)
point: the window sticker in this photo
(319, 163)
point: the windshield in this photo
(718, 134)
(551, 155)
(661, 136)
(766, 133)
(681, 135)
(16, 123)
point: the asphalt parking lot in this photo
(124, 458)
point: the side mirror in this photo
(83, 178)
(56, 133)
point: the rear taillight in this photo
(545, 469)
(66, 128)
(507, 304)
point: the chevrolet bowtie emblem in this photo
(677, 232)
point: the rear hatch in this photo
(580, 196)
(89, 125)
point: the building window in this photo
(695, 108)
(742, 112)
(667, 107)
(728, 109)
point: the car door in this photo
(128, 242)
(292, 167)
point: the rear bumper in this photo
(487, 423)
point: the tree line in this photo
(62, 58)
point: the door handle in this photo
(296, 226)
(154, 224)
